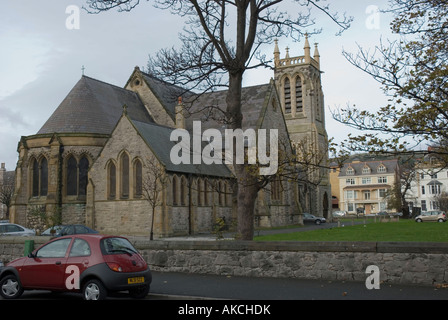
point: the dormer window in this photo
(365, 170)
(381, 168)
(350, 171)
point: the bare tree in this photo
(412, 72)
(442, 200)
(220, 42)
(6, 192)
(154, 182)
(396, 196)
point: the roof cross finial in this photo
(83, 69)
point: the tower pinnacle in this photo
(307, 49)
(316, 55)
(276, 53)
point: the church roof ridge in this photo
(164, 81)
(192, 93)
(106, 83)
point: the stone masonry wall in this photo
(403, 263)
(399, 263)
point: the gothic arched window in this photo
(35, 176)
(138, 179)
(183, 191)
(72, 177)
(228, 194)
(39, 176)
(220, 193)
(276, 191)
(124, 175)
(199, 192)
(43, 177)
(82, 176)
(205, 190)
(174, 190)
(76, 176)
(112, 180)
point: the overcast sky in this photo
(41, 58)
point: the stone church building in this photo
(93, 157)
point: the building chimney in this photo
(180, 117)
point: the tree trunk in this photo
(247, 187)
(247, 194)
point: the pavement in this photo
(183, 286)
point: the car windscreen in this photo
(116, 246)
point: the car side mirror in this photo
(31, 255)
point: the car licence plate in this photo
(136, 280)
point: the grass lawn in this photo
(403, 230)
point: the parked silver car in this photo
(339, 213)
(12, 229)
(65, 230)
(438, 216)
(310, 218)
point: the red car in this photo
(89, 263)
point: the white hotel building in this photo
(363, 185)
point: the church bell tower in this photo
(299, 86)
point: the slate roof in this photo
(166, 93)
(391, 166)
(93, 106)
(158, 139)
(253, 100)
(197, 105)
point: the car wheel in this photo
(418, 220)
(10, 287)
(139, 292)
(440, 220)
(317, 222)
(94, 290)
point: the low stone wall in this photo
(14, 247)
(404, 263)
(401, 263)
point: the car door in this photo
(79, 259)
(46, 268)
(306, 217)
(426, 216)
(432, 216)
